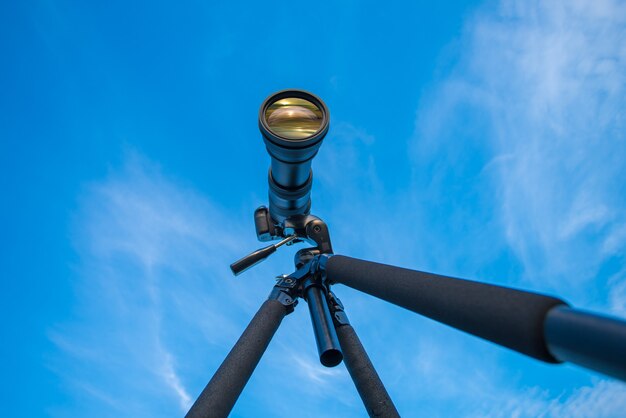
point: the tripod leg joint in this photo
(285, 292)
(337, 311)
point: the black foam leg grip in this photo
(373, 394)
(220, 394)
(508, 317)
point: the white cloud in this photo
(557, 73)
(172, 379)
(617, 293)
(149, 282)
(312, 370)
(544, 85)
(600, 399)
(521, 147)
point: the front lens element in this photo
(294, 118)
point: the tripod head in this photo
(307, 228)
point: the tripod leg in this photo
(368, 384)
(371, 389)
(221, 393)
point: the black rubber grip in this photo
(221, 393)
(508, 317)
(250, 260)
(373, 394)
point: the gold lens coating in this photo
(294, 118)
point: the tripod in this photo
(539, 326)
(293, 124)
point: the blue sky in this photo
(482, 140)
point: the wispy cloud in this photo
(313, 372)
(544, 85)
(521, 148)
(173, 380)
(149, 279)
(617, 293)
(600, 399)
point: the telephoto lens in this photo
(293, 124)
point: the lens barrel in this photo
(293, 124)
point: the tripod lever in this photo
(259, 255)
